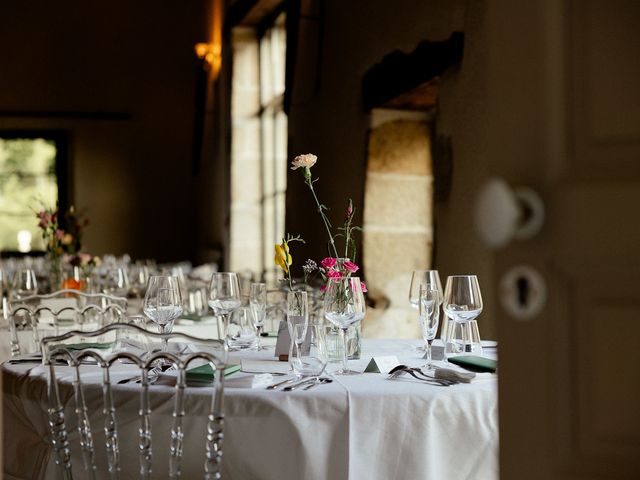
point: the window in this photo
(259, 147)
(30, 171)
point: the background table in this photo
(361, 426)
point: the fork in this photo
(402, 369)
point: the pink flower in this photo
(363, 287)
(59, 234)
(333, 274)
(352, 267)
(323, 288)
(328, 262)
(349, 209)
(45, 219)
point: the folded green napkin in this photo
(475, 363)
(204, 373)
(83, 346)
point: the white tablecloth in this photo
(358, 427)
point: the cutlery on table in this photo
(300, 383)
(284, 382)
(419, 375)
(319, 381)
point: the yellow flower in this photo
(282, 257)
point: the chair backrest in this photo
(57, 354)
(57, 312)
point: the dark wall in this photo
(132, 171)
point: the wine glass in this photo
(429, 308)
(138, 279)
(462, 304)
(258, 304)
(162, 303)
(344, 306)
(116, 282)
(224, 295)
(423, 277)
(428, 279)
(24, 284)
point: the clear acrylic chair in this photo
(54, 313)
(59, 358)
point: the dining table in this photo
(364, 426)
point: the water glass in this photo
(309, 361)
(462, 304)
(240, 333)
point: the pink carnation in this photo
(59, 234)
(333, 274)
(363, 287)
(352, 267)
(45, 218)
(328, 262)
(323, 288)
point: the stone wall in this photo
(398, 218)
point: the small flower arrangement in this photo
(62, 234)
(334, 266)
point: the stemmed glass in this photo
(138, 279)
(117, 282)
(24, 284)
(463, 304)
(163, 303)
(224, 295)
(258, 304)
(423, 277)
(344, 306)
(428, 279)
(429, 308)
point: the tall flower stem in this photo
(324, 217)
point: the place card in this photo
(437, 352)
(382, 364)
(284, 340)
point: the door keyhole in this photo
(523, 291)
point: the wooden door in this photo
(570, 378)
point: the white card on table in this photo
(382, 364)
(284, 340)
(437, 352)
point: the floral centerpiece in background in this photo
(335, 265)
(62, 235)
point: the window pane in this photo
(27, 181)
(259, 149)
